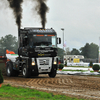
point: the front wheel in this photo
(25, 72)
(53, 73)
(9, 69)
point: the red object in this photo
(0, 85)
(59, 62)
(9, 52)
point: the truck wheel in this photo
(52, 74)
(25, 72)
(9, 69)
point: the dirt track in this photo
(87, 87)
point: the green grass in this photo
(78, 66)
(74, 70)
(77, 70)
(8, 92)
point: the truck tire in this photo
(9, 69)
(25, 72)
(52, 73)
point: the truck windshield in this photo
(42, 40)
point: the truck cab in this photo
(37, 52)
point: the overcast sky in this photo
(79, 18)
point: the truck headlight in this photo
(55, 61)
(33, 62)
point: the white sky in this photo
(79, 18)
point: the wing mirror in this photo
(58, 40)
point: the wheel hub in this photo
(8, 70)
(24, 71)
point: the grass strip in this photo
(77, 70)
(74, 70)
(8, 92)
(78, 66)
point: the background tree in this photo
(85, 50)
(94, 51)
(67, 51)
(9, 42)
(75, 52)
(90, 50)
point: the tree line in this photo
(88, 51)
(91, 50)
(9, 42)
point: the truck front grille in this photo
(44, 64)
(44, 61)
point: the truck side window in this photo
(25, 41)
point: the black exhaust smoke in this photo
(42, 9)
(17, 10)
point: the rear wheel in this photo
(9, 70)
(25, 72)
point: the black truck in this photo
(37, 53)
